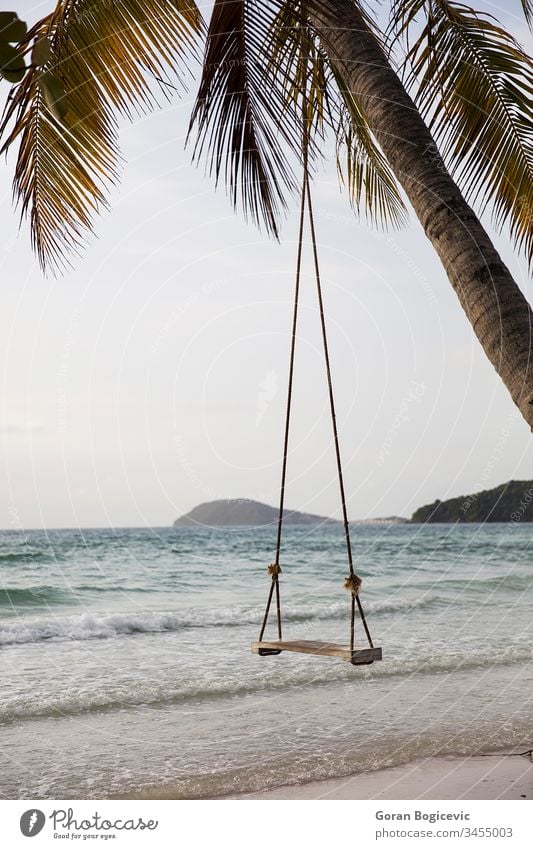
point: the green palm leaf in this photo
(472, 80)
(89, 61)
(305, 70)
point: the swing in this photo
(352, 583)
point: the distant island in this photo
(243, 511)
(509, 502)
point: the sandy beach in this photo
(491, 776)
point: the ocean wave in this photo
(42, 596)
(14, 597)
(504, 583)
(267, 676)
(27, 555)
(468, 586)
(92, 626)
(87, 626)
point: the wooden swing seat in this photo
(358, 657)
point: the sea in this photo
(126, 666)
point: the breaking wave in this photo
(91, 626)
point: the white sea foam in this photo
(130, 692)
(89, 626)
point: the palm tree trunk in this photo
(495, 306)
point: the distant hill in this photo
(510, 502)
(242, 511)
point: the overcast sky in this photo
(153, 376)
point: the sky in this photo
(152, 377)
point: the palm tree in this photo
(438, 105)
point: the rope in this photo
(275, 569)
(352, 582)
(291, 363)
(355, 594)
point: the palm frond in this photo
(527, 6)
(362, 166)
(308, 77)
(89, 61)
(300, 66)
(472, 81)
(242, 118)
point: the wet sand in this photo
(490, 776)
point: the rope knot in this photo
(352, 583)
(274, 569)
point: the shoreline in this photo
(491, 775)
(487, 776)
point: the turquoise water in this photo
(125, 655)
